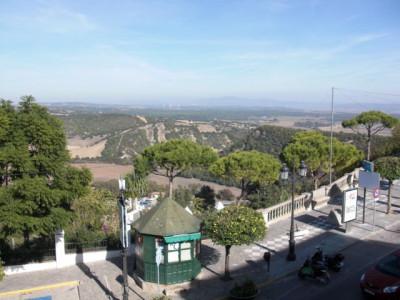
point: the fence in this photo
(16, 257)
(309, 200)
(66, 257)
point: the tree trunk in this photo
(26, 240)
(227, 277)
(171, 183)
(316, 183)
(368, 148)
(389, 205)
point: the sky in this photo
(176, 51)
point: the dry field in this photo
(104, 172)
(86, 148)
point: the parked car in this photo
(383, 281)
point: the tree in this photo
(173, 157)
(373, 122)
(267, 195)
(225, 194)
(37, 186)
(314, 148)
(247, 168)
(389, 168)
(136, 184)
(183, 196)
(208, 194)
(235, 225)
(395, 139)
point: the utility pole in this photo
(124, 236)
(331, 149)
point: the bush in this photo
(1, 270)
(85, 238)
(225, 194)
(245, 289)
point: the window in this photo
(186, 249)
(179, 252)
(173, 252)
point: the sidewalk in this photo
(102, 280)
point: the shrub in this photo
(225, 194)
(245, 289)
(1, 270)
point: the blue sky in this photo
(174, 50)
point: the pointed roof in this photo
(219, 205)
(168, 218)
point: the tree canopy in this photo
(37, 186)
(389, 168)
(172, 157)
(314, 148)
(247, 168)
(372, 122)
(235, 225)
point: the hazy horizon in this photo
(187, 52)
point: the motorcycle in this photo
(318, 272)
(333, 261)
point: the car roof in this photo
(396, 252)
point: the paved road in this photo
(344, 285)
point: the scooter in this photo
(333, 261)
(318, 272)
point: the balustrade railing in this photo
(304, 201)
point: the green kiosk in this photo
(167, 244)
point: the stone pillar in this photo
(60, 247)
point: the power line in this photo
(376, 93)
(361, 104)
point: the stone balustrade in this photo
(313, 200)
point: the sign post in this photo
(158, 261)
(377, 192)
(367, 180)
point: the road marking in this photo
(40, 288)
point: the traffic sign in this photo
(367, 165)
(377, 192)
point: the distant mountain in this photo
(230, 103)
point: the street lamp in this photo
(123, 235)
(284, 176)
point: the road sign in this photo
(377, 192)
(368, 180)
(367, 165)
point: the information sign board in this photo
(349, 209)
(368, 180)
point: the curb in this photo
(41, 288)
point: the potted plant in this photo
(246, 290)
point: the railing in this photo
(304, 201)
(282, 210)
(27, 256)
(97, 246)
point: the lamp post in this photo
(284, 176)
(123, 235)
